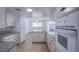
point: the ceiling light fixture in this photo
(29, 10)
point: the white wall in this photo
(28, 25)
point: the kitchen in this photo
(39, 29)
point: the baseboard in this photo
(38, 42)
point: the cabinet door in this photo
(48, 42)
(14, 49)
(2, 17)
(51, 44)
(9, 19)
(38, 37)
(52, 47)
(41, 38)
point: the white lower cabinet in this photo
(38, 37)
(14, 49)
(52, 48)
(57, 50)
(51, 44)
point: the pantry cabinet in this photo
(2, 17)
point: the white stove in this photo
(66, 33)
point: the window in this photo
(37, 24)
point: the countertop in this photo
(6, 46)
(52, 34)
(7, 34)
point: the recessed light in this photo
(54, 22)
(18, 9)
(37, 20)
(29, 10)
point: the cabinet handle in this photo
(62, 9)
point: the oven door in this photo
(66, 40)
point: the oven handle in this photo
(67, 32)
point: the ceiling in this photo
(37, 11)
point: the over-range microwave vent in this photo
(68, 9)
(62, 9)
(18, 9)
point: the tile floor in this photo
(28, 46)
(39, 47)
(35, 47)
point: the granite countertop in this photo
(6, 46)
(7, 34)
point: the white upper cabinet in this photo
(2, 17)
(9, 19)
